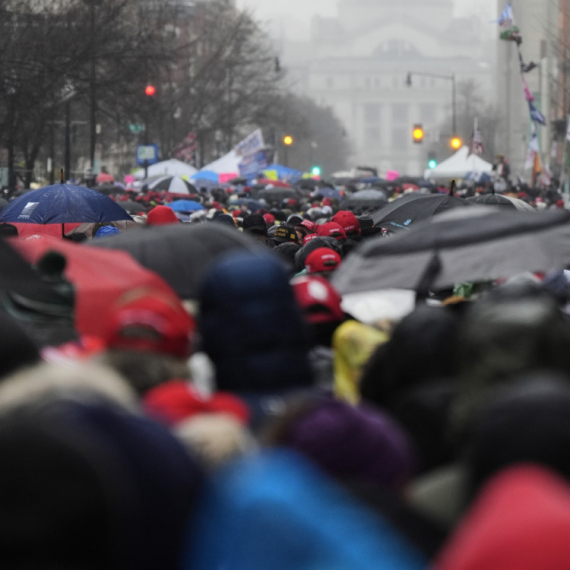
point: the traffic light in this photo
(418, 134)
(456, 143)
(288, 140)
(150, 91)
(432, 160)
(316, 171)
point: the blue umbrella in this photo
(252, 205)
(206, 175)
(205, 183)
(63, 204)
(186, 206)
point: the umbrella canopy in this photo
(206, 175)
(111, 188)
(412, 208)
(185, 206)
(172, 184)
(100, 277)
(459, 166)
(274, 183)
(252, 205)
(277, 194)
(366, 199)
(329, 193)
(445, 252)
(62, 204)
(502, 201)
(131, 206)
(180, 254)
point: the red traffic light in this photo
(150, 90)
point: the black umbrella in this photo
(277, 194)
(180, 254)
(412, 208)
(502, 202)
(443, 252)
(366, 199)
(131, 206)
(109, 189)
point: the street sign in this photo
(136, 128)
(147, 154)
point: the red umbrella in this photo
(101, 277)
(104, 178)
(276, 183)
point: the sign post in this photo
(147, 154)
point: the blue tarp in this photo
(63, 204)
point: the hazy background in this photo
(292, 18)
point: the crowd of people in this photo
(262, 426)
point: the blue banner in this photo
(253, 164)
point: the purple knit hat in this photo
(357, 444)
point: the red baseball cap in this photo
(176, 401)
(269, 219)
(326, 202)
(309, 238)
(311, 226)
(318, 299)
(331, 229)
(161, 216)
(322, 260)
(156, 323)
(348, 221)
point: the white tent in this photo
(170, 167)
(459, 166)
(228, 164)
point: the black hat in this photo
(367, 226)
(294, 219)
(285, 233)
(255, 224)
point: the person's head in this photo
(353, 444)
(305, 228)
(321, 306)
(251, 327)
(285, 234)
(323, 262)
(287, 252)
(332, 229)
(255, 225)
(107, 231)
(161, 216)
(225, 219)
(349, 223)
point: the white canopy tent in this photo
(459, 166)
(170, 167)
(228, 164)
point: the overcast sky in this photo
(295, 15)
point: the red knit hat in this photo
(151, 323)
(331, 229)
(161, 216)
(348, 221)
(318, 299)
(321, 260)
(176, 401)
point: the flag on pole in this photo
(532, 151)
(507, 17)
(536, 115)
(476, 146)
(527, 94)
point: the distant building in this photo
(359, 62)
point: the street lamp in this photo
(453, 90)
(92, 83)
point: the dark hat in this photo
(225, 219)
(255, 224)
(367, 227)
(285, 233)
(294, 219)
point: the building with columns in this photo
(359, 62)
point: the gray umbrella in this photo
(181, 254)
(366, 199)
(444, 252)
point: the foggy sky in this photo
(293, 17)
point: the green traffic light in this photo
(432, 164)
(316, 171)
